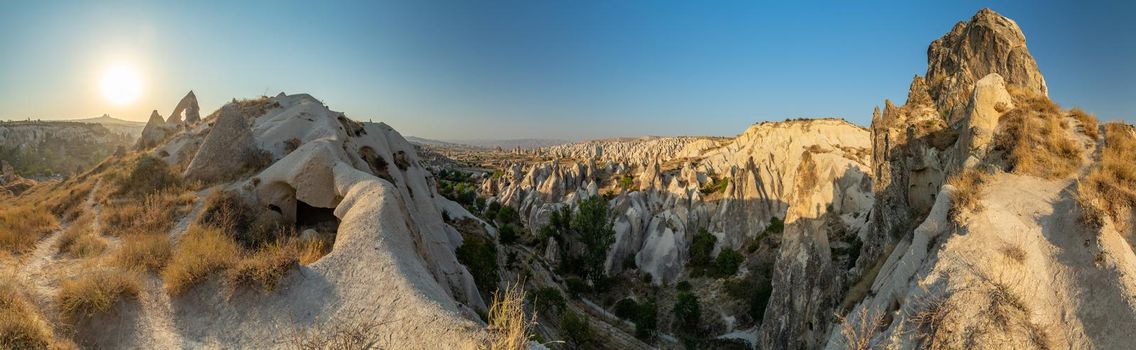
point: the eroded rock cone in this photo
(156, 131)
(988, 43)
(228, 149)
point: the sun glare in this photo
(121, 85)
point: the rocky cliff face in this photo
(1014, 270)
(47, 148)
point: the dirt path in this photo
(157, 312)
(38, 271)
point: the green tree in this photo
(687, 311)
(726, 264)
(594, 231)
(576, 330)
(701, 248)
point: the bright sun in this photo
(121, 85)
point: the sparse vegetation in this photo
(727, 262)
(250, 226)
(509, 327)
(22, 326)
(479, 255)
(968, 191)
(201, 252)
(626, 182)
(589, 228)
(96, 292)
(264, 268)
(576, 330)
(148, 252)
(1034, 138)
(702, 247)
(1109, 190)
(546, 300)
(22, 226)
(78, 241)
(859, 329)
(1014, 253)
(1089, 122)
(716, 185)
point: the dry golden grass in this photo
(95, 292)
(264, 268)
(201, 252)
(1035, 139)
(154, 214)
(509, 327)
(1088, 122)
(21, 324)
(859, 329)
(312, 250)
(968, 191)
(78, 241)
(144, 251)
(21, 226)
(1110, 188)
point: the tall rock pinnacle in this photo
(988, 43)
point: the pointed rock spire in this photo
(155, 132)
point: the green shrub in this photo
(646, 322)
(147, 175)
(687, 311)
(576, 330)
(716, 186)
(507, 215)
(727, 262)
(576, 287)
(507, 234)
(776, 225)
(547, 300)
(479, 255)
(626, 181)
(702, 247)
(683, 286)
(627, 309)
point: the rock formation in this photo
(188, 104)
(228, 150)
(988, 43)
(156, 131)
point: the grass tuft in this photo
(265, 268)
(21, 324)
(95, 292)
(148, 252)
(201, 252)
(509, 327)
(968, 191)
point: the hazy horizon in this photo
(522, 70)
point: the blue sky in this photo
(531, 68)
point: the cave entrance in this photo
(320, 219)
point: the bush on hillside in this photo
(479, 255)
